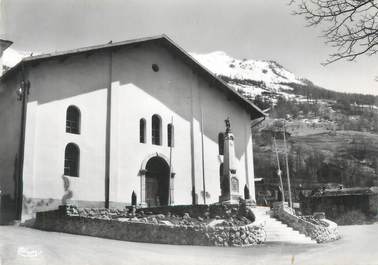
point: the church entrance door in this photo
(157, 182)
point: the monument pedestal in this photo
(229, 199)
(250, 203)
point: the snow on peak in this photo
(269, 73)
(218, 53)
(11, 57)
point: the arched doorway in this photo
(157, 182)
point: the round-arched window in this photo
(73, 120)
(156, 129)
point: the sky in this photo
(252, 29)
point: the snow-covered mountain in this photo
(11, 57)
(250, 76)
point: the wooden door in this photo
(152, 189)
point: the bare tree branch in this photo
(351, 26)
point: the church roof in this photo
(254, 111)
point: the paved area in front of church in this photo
(21, 245)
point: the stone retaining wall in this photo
(320, 230)
(220, 210)
(60, 221)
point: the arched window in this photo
(156, 129)
(171, 135)
(71, 160)
(73, 120)
(221, 143)
(142, 131)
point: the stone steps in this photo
(276, 231)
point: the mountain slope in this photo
(271, 80)
(251, 76)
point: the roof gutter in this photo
(23, 97)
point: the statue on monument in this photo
(228, 125)
(229, 180)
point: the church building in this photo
(92, 126)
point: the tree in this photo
(351, 26)
(261, 102)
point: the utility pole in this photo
(287, 167)
(279, 172)
(203, 160)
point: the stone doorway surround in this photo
(142, 175)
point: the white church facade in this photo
(93, 125)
